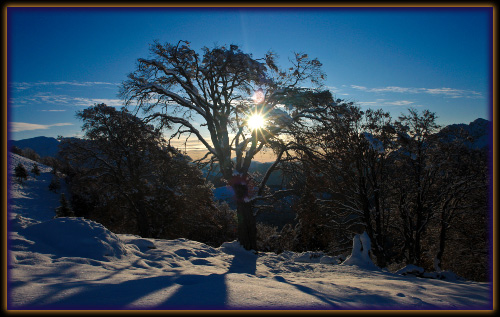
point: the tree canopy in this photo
(221, 89)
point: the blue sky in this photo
(61, 60)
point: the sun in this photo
(256, 121)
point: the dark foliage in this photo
(125, 176)
(421, 198)
(55, 184)
(20, 173)
(35, 170)
(16, 150)
(64, 210)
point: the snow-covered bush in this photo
(444, 275)
(418, 271)
(411, 269)
(268, 239)
(360, 255)
(309, 257)
(326, 259)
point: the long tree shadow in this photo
(87, 295)
(194, 291)
(211, 291)
(310, 291)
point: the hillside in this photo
(43, 146)
(75, 263)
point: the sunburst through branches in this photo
(256, 121)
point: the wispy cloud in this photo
(386, 103)
(192, 144)
(448, 92)
(86, 102)
(399, 103)
(337, 91)
(52, 110)
(27, 85)
(367, 103)
(63, 100)
(23, 126)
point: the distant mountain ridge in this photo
(478, 131)
(42, 145)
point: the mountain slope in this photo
(43, 146)
(478, 132)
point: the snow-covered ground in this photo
(74, 263)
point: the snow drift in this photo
(76, 237)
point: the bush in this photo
(14, 149)
(31, 154)
(64, 210)
(35, 170)
(55, 184)
(21, 173)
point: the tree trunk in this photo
(379, 235)
(247, 229)
(142, 220)
(418, 249)
(143, 226)
(442, 244)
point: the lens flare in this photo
(258, 96)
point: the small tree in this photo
(21, 173)
(64, 210)
(35, 170)
(55, 184)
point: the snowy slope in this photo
(32, 199)
(74, 263)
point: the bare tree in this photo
(212, 97)
(415, 177)
(348, 174)
(461, 191)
